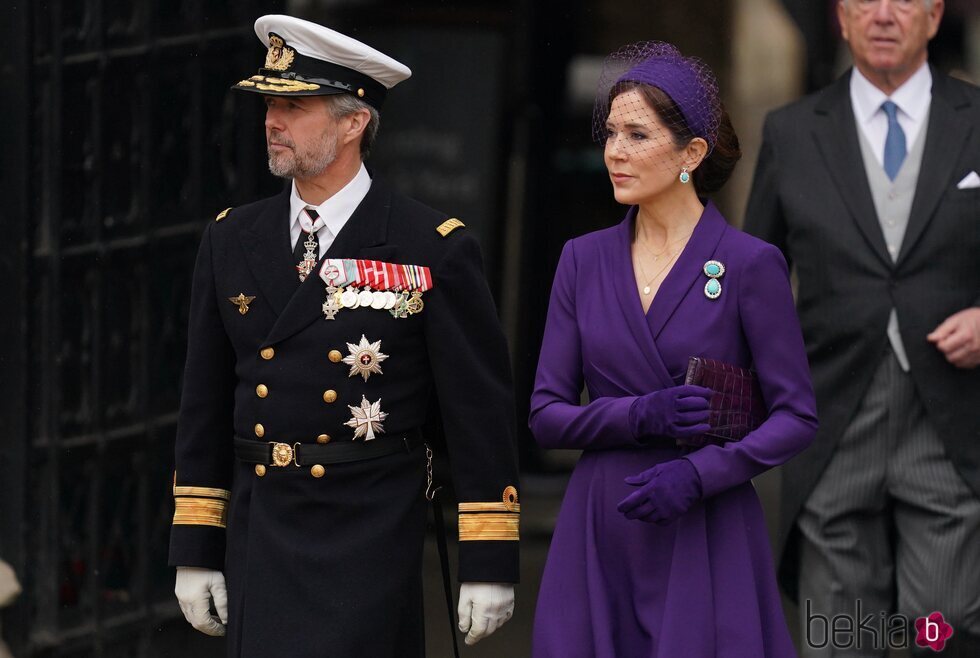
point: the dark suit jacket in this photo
(811, 198)
(336, 559)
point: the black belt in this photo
(271, 453)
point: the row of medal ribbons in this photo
(393, 287)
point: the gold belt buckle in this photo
(282, 453)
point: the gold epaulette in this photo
(491, 521)
(200, 505)
(449, 226)
(222, 214)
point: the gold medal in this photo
(415, 304)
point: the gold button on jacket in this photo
(262, 390)
(323, 438)
(330, 396)
(267, 353)
(259, 430)
(335, 356)
(317, 471)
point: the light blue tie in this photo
(894, 141)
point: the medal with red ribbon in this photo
(393, 287)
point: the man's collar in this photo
(339, 207)
(912, 98)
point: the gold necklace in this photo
(646, 288)
(666, 248)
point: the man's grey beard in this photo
(309, 164)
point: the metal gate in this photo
(120, 142)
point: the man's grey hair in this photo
(341, 105)
(927, 3)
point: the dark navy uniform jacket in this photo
(331, 565)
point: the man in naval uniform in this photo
(327, 323)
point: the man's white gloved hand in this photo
(483, 608)
(195, 588)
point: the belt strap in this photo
(308, 454)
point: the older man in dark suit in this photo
(870, 188)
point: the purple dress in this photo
(704, 585)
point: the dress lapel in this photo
(688, 270)
(618, 268)
(269, 254)
(946, 136)
(836, 137)
(367, 227)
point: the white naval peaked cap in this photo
(308, 59)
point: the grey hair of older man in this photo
(927, 3)
(340, 105)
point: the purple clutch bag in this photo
(736, 407)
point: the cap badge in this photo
(280, 56)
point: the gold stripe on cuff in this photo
(200, 511)
(205, 492)
(489, 527)
(490, 507)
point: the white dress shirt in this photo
(335, 211)
(912, 99)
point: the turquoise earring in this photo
(685, 177)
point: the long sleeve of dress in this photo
(557, 419)
(772, 331)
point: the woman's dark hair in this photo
(715, 170)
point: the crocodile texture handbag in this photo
(736, 407)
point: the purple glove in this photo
(677, 412)
(665, 492)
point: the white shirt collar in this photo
(912, 98)
(335, 211)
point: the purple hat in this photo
(687, 80)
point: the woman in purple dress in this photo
(661, 551)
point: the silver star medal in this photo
(365, 358)
(366, 419)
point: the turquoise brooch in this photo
(714, 270)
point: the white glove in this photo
(194, 589)
(483, 608)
